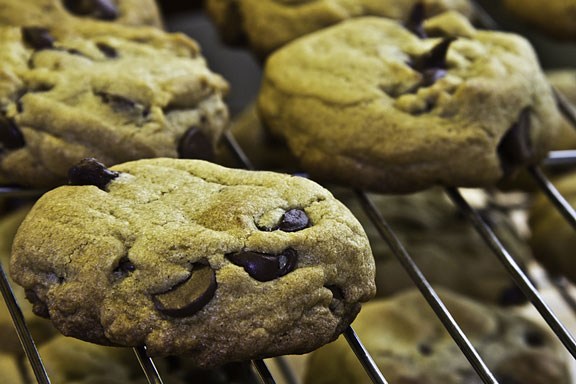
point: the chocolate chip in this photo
(415, 22)
(91, 172)
(512, 296)
(425, 349)
(293, 220)
(436, 58)
(107, 50)
(190, 296)
(194, 144)
(265, 267)
(99, 9)
(534, 339)
(515, 148)
(37, 37)
(125, 266)
(10, 136)
(337, 296)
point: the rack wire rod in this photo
(567, 157)
(565, 107)
(285, 370)
(20, 192)
(426, 289)
(263, 372)
(147, 365)
(362, 354)
(514, 270)
(22, 330)
(237, 151)
(553, 195)
(561, 285)
(484, 18)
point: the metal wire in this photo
(514, 270)
(263, 372)
(285, 370)
(553, 195)
(565, 107)
(567, 157)
(362, 354)
(20, 192)
(22, 330)
(147, 366)
(426, 289)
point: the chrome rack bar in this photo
(22, 329)
(426, 289)
(364, 357)
(147, 366)
(20, 192)
(567, 157)
(561, 285)
(484, 18)
(285, 370)
(237, 151)
(263, 372)
(514, 270)
(553, 195)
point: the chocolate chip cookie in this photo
(110, 91)
(371, 104)
(268, 24)
(444, 245)
(553, 238)
(57, 12)
(554, 18)
(410, 345)
(187, 257)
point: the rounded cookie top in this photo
(187, 257)
(410, 345)
(554, 18)
(371, 104)
(58, 12)
(269, 24)
(113, 92)
(553, 238)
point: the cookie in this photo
(57, 12)
(444, 245)
(410, 345)
(554, 18)
(114, 92)
(187, 257)
(553, 238)
(268, 24)
(369, 104)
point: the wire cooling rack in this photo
(386, 232)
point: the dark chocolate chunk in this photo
(10, 136)
(534, 339)
(265, 267)
(124, 266)
(99, 9)
(436, 58)
(515, 148)
(415, 22)
(194, 144)
(91, 172)
(425, 349)
(37, 37)
(107, 50)
(190, 296)
(293, 220)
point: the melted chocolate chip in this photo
(512, 296)
(107, 50)
(265, 267)
(190, 296)
(194, 144)
(99, 9)
(10, 136)
(534, 339)
(415, 22)
(37, 37)
(432, 65)
(293, 220)
(515, 148)
(91, 172)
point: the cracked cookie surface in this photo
(111, 92)
(58, 12)
(370, 104)
(269, 24)
(410, 345)
(187, 257)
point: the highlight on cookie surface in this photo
(369, 104)
(172, 257)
